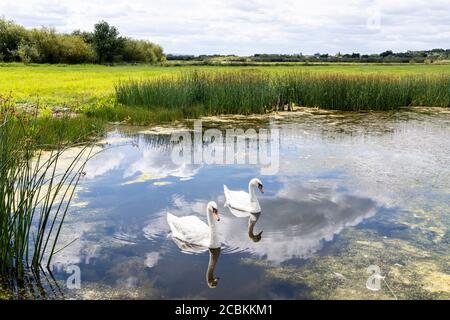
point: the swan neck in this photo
(213, 258)
(251, 226)
(253, 218)
(213, 238)
(251, 191)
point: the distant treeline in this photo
(425, 56)
(45, 45)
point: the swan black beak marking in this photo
(216, 214)
(261, 188)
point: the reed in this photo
(36, 188)
(256, 92)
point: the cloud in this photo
(248, 27)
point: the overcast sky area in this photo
(245, 27)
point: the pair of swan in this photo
(193, 231)
(192, 234)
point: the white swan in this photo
(192, 230)
(242, 201)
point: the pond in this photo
(351, 192)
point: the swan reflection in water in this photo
(245, 204)
(297, 222)
(214, 254)
(252, 220)
(193, 235)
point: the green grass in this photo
(78, 85)
(256, 92)
(50, 132)
(90, 89)
(139, 116)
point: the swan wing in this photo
(226, 192)
(189, 247)
(241, 201)
(189, 229)
(239, 213)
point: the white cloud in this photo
(247, 27)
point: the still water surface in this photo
(352, 190)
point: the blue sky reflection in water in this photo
(343, 179)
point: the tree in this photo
(386, 53)
(106, 42)
(85, 35)
(11, 35)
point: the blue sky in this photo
(246, 27)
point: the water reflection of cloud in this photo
(378, 162)
(295, 225)
(104, 162)
(79, 249)
(157, 164)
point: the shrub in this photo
(141, 51)
(28, 53)
(45, 45)
(75, 50)
(11, 35)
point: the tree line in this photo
(425, 56)
(46, 45)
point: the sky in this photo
(246, 27)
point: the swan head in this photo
(256, 237)
(213, 210)
(213, 283)
(258, 183)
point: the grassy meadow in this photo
(77, 85)
(92, 89)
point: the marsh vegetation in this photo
(35, 191)
(258, 92)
